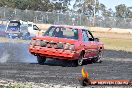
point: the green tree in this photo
(41, 5)
(108, 13)
(121, 10)
(129, 12)
(87, 6)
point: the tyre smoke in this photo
(15, 52)
(4, 58)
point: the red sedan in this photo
(66, 43)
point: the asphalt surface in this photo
(17, 63)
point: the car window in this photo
(29, 25)
(13, 26)
(35, 27)
(91, 38)
(14, 23)
(62, 32)
(85, 37)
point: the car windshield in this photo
(62, 32)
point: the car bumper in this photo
(13, 34)
(53, 53)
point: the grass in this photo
(117, 44)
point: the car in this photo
(33, 29)
(21, 29)
(13, 29)
(25, 35)
(65, 42)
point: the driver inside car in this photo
(58, 33)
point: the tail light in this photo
(72, 47)
(60, 45)
(68, 46)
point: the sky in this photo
(112, 3)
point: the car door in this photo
(94, 45)
(88, 44)
(33, 29)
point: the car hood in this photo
(56, 39)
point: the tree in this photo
(87, 6)
(8, 3)
(121, 10)
(129, 12)
(41, 5)
(102, 7)
(108, 13)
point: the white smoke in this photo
(4, 58)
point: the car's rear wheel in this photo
(41, 59)
(98, 58)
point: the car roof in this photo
(70, 26)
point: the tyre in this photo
(97, 59)
(26, 36)
(9, 36)
(41, 59)
(79, 62)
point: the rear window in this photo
(14, 26)
(14, 23)
(62, 32)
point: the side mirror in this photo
(96, 39)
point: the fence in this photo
(64, 18)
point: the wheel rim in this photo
(80, 61)
(99, 55)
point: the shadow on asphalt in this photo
(63, 63)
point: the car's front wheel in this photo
(98, 58)
(41, 59)
(79, 62)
